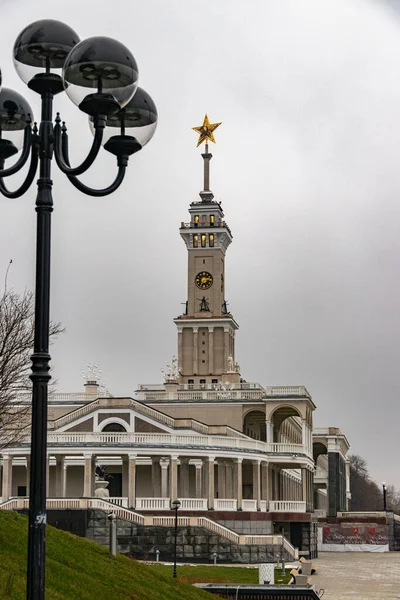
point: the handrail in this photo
(168, 521)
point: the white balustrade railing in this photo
(120, 501)
(218, 529)
(193, 503)
(249, 505)
(320, 512)
(287, 506)
(225, 504)
(153, 503)
(161, 521)
(175, 440)
(286, 390)
(263, 506)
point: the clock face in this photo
(204, 280)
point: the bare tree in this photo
(16, 346)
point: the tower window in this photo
(212, 220)
(203, 240)
(203, 351)
(195, 241)
(196, 220)
(203, 361)
(211, 240)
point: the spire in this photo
(206, 132)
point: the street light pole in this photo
(100, 76)
(384, 490)
(175, 506)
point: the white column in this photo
(184, 477)
(173, 478)
(7, 477)
(155, 476)
(229, 480)
(211, 349)
(265, 481)
(64, 481)
(226, 347)
(221, 479)
(87, 477)
(257, 483)
(59, 474)
(164, 477)
(199, 492)
(304, 428)
(268, 432)
(132, 480)
(211, 492)
(239, 484)
(180, 346)
(195, 350)
(304, 483)
(125, 476)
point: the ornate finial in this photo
(171, 372)
(206, 131)
(92, 373)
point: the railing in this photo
(75, 414)
(320, 513)
(120, 501)
(218, 529)
(201, 395)
(153, 503)
(263, 506)
(193, 503)
(161, 521)
(139, 407)
(67, 397)
(249, 505)
(225, 504)
(172, 439)
(287, 506)
(299, 390)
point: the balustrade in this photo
(287, 506)
(225, 504)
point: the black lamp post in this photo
(384, 490)
(175, 506)
(100, 75)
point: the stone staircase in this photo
(159, 528)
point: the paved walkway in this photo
(358, 575)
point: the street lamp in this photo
(175, 506)
(384, 490)
(100, 76)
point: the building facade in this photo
(224, 446)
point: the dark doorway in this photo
(115, 485)
(21, 490)
(295, 534)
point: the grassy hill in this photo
(77, 569)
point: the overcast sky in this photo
(306, 166)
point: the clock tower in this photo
(206, 330)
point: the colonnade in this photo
(176, 476)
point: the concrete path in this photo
(358, 575)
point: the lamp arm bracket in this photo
(28, 140)
(28, 180)
(61, 147)
(98, 193)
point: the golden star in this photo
(206, 131)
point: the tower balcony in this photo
(218, 225)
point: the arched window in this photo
(114, 427)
